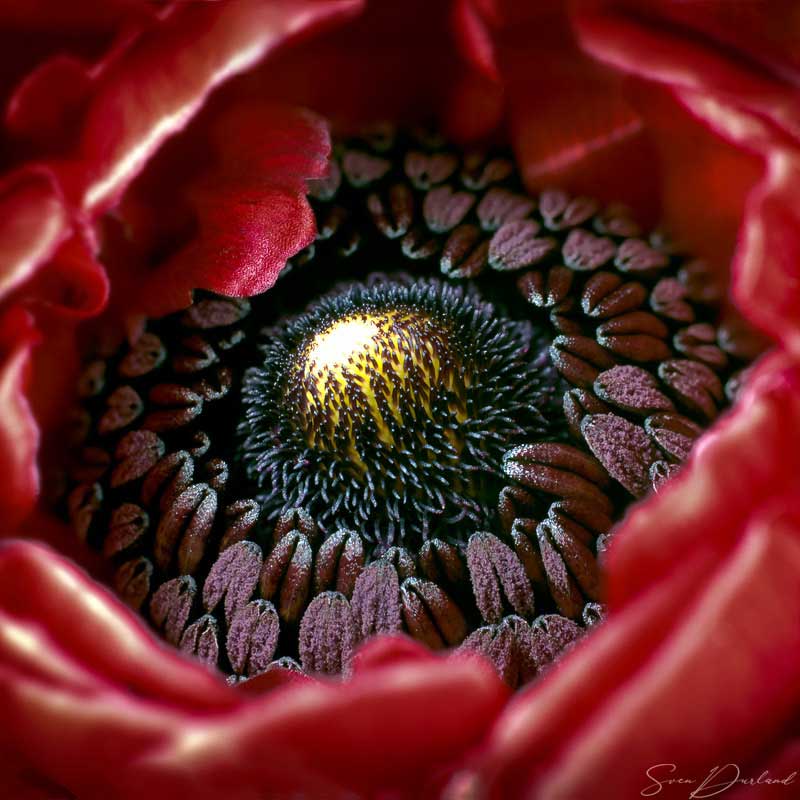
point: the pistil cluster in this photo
(399, 399)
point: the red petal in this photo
(82, 680)
(96, 631)
(33, 222)
(475, 38)
(252, 210)
(685, 59)
(44, 104)
(159, 85)
(727, 662)
(19, 434)
(390, 727)
(74, 283)
(570, 122)
(543, 719)
(749, 99)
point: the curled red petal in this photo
(766, 268)
(94, 630)
(75, 283)
(734, 708)
(685, 57)
(252, 211)
(751, 458)
(316, 733)
(159, 84)
(19, 434)
(81, 676)
(719, 664)
(744, 88)
(33, 223)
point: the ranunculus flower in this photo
(157, 150)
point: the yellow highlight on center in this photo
(367, 370)
(333, 348)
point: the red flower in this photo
(141, 127)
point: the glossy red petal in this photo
(686, 153)
(750, 100)
(33, 223)
(19, 434)
(765, 267)
(80, 676)
(162, 81)
(538, 723)
(763, 30)
(682, 57)
(767, 263)
(727, 664)
(97, 632)
(781, 766)
(329, 74)
(390, 729)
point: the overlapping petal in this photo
(148, 88)
(251, 209)
(698, 663)
(749, 99)
(153, 722)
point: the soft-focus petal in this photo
(19, 434)
(37, 586)
(41, 107)
(64, 697)
(570, 122)
(710, 668)
(751, 106)
(33, 223)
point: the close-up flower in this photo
(400, 400)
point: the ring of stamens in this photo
(444, 456)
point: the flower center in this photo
(441, 448)
(399, 399)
